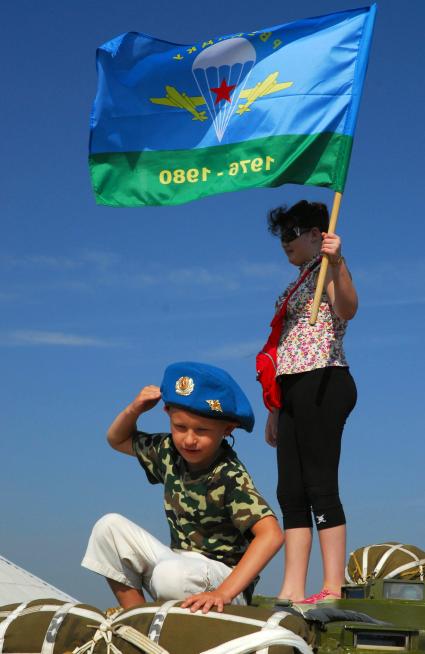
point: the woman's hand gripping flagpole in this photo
(325, 261)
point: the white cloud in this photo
(40, 261)
(7, 297)
(385, 283)
(399, 339)
(101, 260)
(197, 276)
(237, 350)
(33, 337)
(393, 302)
(103, 268)
(263, 270)
(391, 275)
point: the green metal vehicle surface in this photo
(383, 615)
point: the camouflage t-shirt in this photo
(210, 512)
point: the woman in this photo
(318, 393)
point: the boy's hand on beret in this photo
(148, 397)
(206, 601)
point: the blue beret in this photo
(207, 391)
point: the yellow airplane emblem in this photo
(174, 98)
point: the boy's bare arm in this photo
(268, 539)
(120, 433)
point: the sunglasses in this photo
(291, 233)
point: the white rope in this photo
(176, 610)
(4, 625)
(130, 613)
(264, 638)
(139, 640)
(87, 613)
(385, 557)
(276, 619)
(54, 626)
(407, 566)
(364, 562)
(159, 619)
(32, 609)
(107, 629)
(49, 608)
(273, 621)
(347, 574)
(103, 632)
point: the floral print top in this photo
(303, 346)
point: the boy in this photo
(223, 533)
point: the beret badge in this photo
(214, 405)
(184, 385)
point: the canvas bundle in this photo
(385, 561)
(47, 626)
(54, 627)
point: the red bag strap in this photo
(279, 315)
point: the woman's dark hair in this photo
(302, 214)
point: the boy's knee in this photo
(107, 525)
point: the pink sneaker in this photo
(324, 595)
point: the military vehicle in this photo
(397, 606)
(381, 615)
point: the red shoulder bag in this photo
(266, 359)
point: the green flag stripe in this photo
(152, 178)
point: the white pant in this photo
(121, 550)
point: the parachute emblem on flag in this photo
(174, 98)
(221, 72)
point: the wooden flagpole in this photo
(325, 261)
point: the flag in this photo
(174, 123)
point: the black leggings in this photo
(315, 407)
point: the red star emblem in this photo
(223, 92)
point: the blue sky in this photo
(96, 301)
